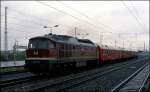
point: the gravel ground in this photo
(107, 82)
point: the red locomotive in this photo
(46, 53)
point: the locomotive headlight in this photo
(35, 52)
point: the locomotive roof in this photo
(67, 39)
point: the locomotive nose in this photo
(33, 53)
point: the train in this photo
(49, 52)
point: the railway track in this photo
(74, 82)
(62, 83)
(68, 82)
(16, 81)
(12, 72)
(123, 83)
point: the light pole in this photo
(6, 35)
(130, 45)
(75, 32)
(115, 43)
(101, 37)
(51, 28)
(123, 44)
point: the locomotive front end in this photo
(40, 55)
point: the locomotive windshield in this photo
(40, 43)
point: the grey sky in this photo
(129, 18)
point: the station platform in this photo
(11, 63)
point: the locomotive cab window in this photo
(51, 45)
(40, 43)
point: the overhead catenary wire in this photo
(86, 16)
(134, 16)
(135, 10)
(24, 14)
(45, 19)
(65, 13)
(34, 18)
(25, 26)
(106, 26)
(73, 9)
(25, 20)
(21, 25)
(72, 15)
(37, 18)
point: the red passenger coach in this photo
(112, 54)
(108, 54)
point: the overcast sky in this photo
(126, 21)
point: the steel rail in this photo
(15, 81)
(97, 75)
(72, 81)
(52, 83)
(146, 79)
(120, 85)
